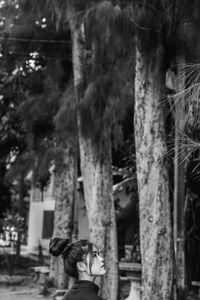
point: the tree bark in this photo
(152, 176)
(97, 178)
(20, 210)
(65, 197)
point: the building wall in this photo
(37, 208)
(35, 225)
(39, 203)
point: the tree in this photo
(98, 108)
(44, 71)
(13, 145)
(160, 39)
(95, 167)
(153, 185)
(97, 58)
(65, 182)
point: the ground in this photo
(17, 287)
(18, 281)
(22, 293)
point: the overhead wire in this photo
(5, 38)
(51, 41)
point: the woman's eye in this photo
(97, 253)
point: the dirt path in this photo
(22, 293)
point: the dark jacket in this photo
(83, 290)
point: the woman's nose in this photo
(101, 258)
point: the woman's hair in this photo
(71, 253)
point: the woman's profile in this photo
(82, 261)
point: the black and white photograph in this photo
(100, 149)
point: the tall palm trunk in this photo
(65, 197)
(152, 176)
(97, 178)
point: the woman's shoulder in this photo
(82, 296)
(94, 297)
(90, 297)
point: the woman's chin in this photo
(103, 272)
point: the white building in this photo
(42, 206)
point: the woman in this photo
(83, 261)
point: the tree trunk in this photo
(65, 197)
(179, 185)
(20, 211)
(152, 176)
(97, 178)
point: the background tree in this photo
(97, 86)
(44, 70)
(93, 65)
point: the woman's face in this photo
(95, 262)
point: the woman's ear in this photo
(81, 266)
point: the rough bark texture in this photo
(97, 179)
(65, 196)
(152, 176)
(20, 210)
